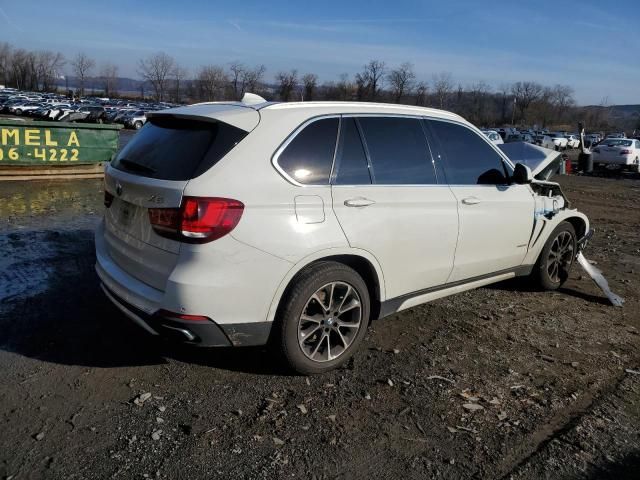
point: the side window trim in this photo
(291, 137)
(372, 173)
(505, 162)
(334, 165)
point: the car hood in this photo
(543, 162)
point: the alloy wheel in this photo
(560, 256)
(330, 322)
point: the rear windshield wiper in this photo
(136, 167)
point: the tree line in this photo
(518, 103)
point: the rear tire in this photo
(137, 125)
(323, 318)
(556, 258)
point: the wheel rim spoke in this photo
(329, 322)
(560, 256)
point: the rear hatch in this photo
(152, 171)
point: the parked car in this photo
(616, 135)
(328, 232)
(545, 141)
(135, 120)
(617, 153)
(22, 107)
(493, 136)
(573, 141)
(519, 137)
(559, 140)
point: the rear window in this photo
(177, 149)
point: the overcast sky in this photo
(591, 45)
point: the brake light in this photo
(625, 152)
(198, 220)
(108, 199)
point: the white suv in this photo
(298, 223)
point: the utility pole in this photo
(513, 112)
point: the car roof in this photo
(246, 116)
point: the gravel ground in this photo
(501, 382)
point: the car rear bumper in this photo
(150, 308)
(628, 161)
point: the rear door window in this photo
(308, 157)
(398, 151)
(468, 158)
(351, 161)
(177, 149)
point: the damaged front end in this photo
(553, 207)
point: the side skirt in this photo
(394, 305)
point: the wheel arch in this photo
(365, 264)
(579, 225)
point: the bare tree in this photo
(344, 87)
(244, 79)
(401, 80)
(156, 70)
(109, 77)
(5, 62)
(238, 71)
(361, 86)
(212, 81)
(372, 78)
(82, 66)
(252, 78)
(479, 95)
(287, 81)
(524, 94)
(442, 88)
(310, 81)
(422, 89)
(179, 74)
(48, 66)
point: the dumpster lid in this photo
(543, 162)
(233, 113)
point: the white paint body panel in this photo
(410, 229)
(494, 229)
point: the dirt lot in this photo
(548, 370)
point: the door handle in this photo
(471, 200)
(358, 202)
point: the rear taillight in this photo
(198, 220)
(108, 199)
(625, 152)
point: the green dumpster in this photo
(41, 149)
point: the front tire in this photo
(137, 125)
(323, 318)
(552, 269)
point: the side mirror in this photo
(522, 174)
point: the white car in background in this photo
(559, 140)
(544, 141)
(298, 223)
(617, 153)
(136, 120)
(493, 136)
(572, 141)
